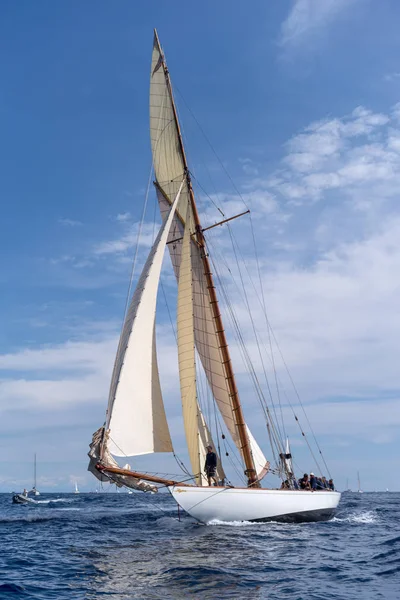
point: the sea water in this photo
(121, 546)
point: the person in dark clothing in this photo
(313, 481)
(331, 485)
(210, 466)
(304, 482)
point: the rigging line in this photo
(182, 466)
(245, 353)
(264, 406)
(247, 361)
(302, 406)
(271, 350)
(297, 394)
(240, 294)
(271, 444)
(192, 173)
(208, 195)
(201, 394)
(232, 456)
(211, 402)
(212, 148)
(254, 329)
(209, 498)
(265, 310)
(137, 246)
(178, 460)
(168, 310)
(301, 430)
(138, 236)
(269, 326)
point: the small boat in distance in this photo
(359, 484)
(76, 488)
(136, 422)
(23, 498)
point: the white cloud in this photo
(128, 240)
(344, 153)
(122, 217)
(391, 77)
(308, 17)
(69, 222)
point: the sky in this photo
(299, 102)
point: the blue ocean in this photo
(122, 546)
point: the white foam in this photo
(363, 517)
(231, 523)
(52, 500)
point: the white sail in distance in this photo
(136, 422)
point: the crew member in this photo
(210, 466)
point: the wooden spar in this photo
(136, 475)
(246, 212)
(215, 225)
(223, 343)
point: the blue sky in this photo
(299, 99)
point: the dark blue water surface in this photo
(121, 546)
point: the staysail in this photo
(136, 422)
(198, 436)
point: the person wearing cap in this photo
(313, 481)
(210, 466)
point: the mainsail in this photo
(136, 422)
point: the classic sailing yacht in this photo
(135, 421)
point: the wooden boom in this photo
(136, 475)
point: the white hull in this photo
(242, 504)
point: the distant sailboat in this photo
(76, 488)
(359, 484)
(34, 491)
(136, 422)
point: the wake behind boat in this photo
(136, 421)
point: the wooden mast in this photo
(223, 343)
